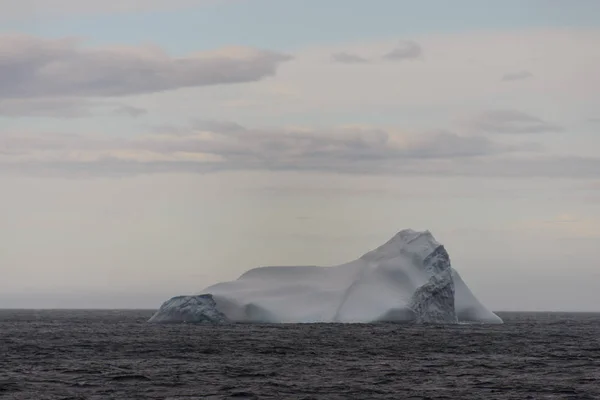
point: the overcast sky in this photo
(151, 148)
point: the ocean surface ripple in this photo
(84, 354)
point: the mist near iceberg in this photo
(407, 279)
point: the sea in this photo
(115, 354)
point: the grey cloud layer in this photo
(405, 50)
(65, 108)
(212, 146)
(130, 111)
(511, 121)
(295, 147)
(209, 146)
(517, 76)
(348, 58)
(547, 167)
(34, 67)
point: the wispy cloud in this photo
(348, 58)
(226, 145)
(65, 108)
(405, 50)
(213, 146)
(37, 67)
(130, 111)
(516, 76)
(44, 107)
(511, 122)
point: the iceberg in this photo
(190, 309)
(407, 279)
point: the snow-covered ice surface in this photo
(409, 278)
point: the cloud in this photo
(64, 108)
(348, 58)
(213, 145)
(516, 76)
(594, 120)
(511, 122)
(504, 167)
(405, 50)
(130, 111)
(452, 75)
(37, 67)
(61, 108)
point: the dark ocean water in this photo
(116, 355)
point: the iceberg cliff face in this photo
(408, 279)
(434, 301)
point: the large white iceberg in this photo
(408, 279)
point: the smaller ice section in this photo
(190, 309)
(407, 279)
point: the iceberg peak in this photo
(408, 241)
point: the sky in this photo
(153, 148)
